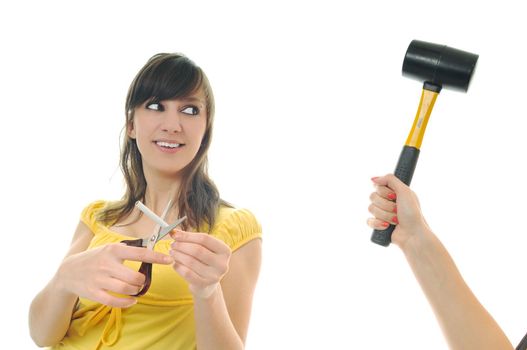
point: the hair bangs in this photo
(166, 79)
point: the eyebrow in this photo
(193, 99)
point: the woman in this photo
(203, 278)
(464, 321)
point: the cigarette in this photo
(150, 214)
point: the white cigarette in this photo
(150, 214)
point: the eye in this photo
(190, 110)
(155, 106)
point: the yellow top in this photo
(163, 318)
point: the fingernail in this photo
(395, 220)
(168, 259)
(374, 178)
(392, 196)
(385, 224)
(395, 209)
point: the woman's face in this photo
(169, 133)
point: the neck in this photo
(159, 190)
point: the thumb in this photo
(391, 182)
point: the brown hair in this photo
(168, 76)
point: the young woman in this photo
(203, 278)
(464, 321)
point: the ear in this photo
(130, 130)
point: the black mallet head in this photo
(439, 65)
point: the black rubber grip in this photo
(523, 344)
(405, 168)
(404, 171)
(383, 237)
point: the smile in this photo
(168, 144)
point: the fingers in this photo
(128, 276)
(199, 252)
(383, 215)
(97, 274)
(202, 260)
(199, 286)
(120, 287)
(211, 243)
(395, 203)
(383, 203)
(191, 269)
(382, 207)
(391, 182)
(105, 298)
(125, 252)
(120, 279)
(385, 192)
(377, 224)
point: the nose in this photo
(171, 122)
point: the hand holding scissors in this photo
(161, 230)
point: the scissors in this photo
(161, 230)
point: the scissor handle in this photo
(134, 242)
(145, 269)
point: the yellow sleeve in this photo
(88, 215)
(237, 227)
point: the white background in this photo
(310, 104)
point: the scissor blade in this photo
(149, 242)
(166, 230)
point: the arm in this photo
(464, 321)
(90, 274)
(51, 310)
(222, 310)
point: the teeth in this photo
(166, 144)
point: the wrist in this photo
(58, 282)
(206, 293)
(416, 241)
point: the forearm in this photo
(50, 314)
(464, 321)
(214, 328)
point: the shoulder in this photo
(236, 227)
(89, 214)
